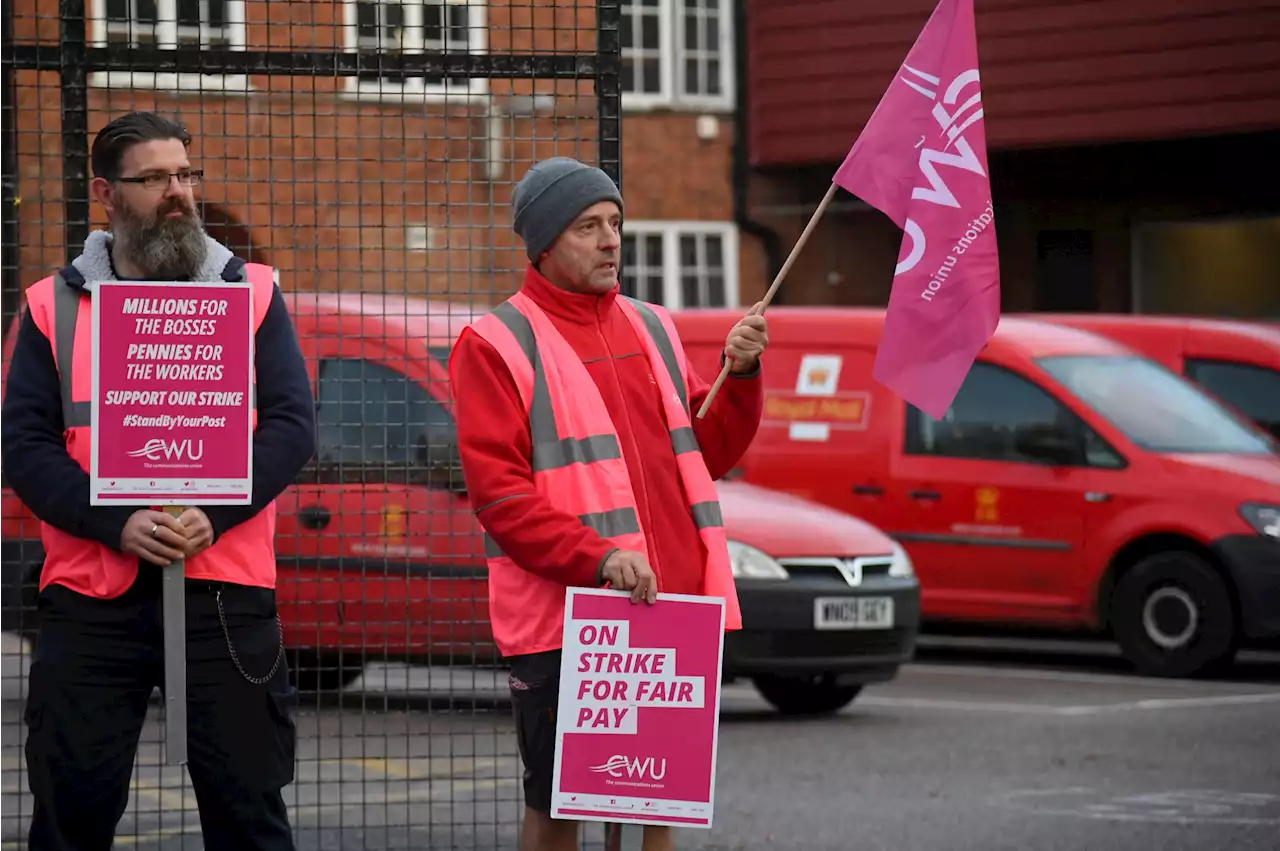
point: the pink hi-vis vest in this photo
(579, 467)
(244, 554)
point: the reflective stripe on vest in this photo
(550, 451)
(67, 306)
(704, 502)
(566, 442)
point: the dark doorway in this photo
(225, 228)
(1065, 275)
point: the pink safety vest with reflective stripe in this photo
(244, 555)
(579, 467)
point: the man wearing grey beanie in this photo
(588, 376)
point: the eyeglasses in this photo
(187, 177)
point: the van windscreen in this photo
(1154, 407)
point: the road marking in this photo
(977, 671)
(411, 768)
(1182, 807)
(1176, 703)
(1152, 704)
(963, 705)
(154, 835)
(453, 789)
(414, 795)
(170, 798)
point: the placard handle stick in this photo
(173, 600)
(768, 297)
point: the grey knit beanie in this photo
(552, 194)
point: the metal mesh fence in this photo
(367, 149)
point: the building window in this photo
(681, 264)
(169, 25)
(441, 27)
(677, 53)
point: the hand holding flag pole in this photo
(921, 159)
(768, 297)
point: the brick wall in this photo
(326, 193)
(333, 189)
(336, 190)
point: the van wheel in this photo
(1173, 617)
(819, 695)
(317, 671)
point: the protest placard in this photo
(172, 413)
(639, 716)
(172, 383)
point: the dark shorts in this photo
(535, 692)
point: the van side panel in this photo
(826, 423)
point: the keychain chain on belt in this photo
(236, 659)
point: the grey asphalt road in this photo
(955, 755)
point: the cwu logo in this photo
(157, 449)
(619, 766)
(952, 121)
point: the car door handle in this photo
(314, 517)
(924, 495)
(868, 490)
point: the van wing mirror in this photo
(1050, 444)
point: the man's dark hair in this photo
(126, 131)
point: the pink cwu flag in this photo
(922, 161)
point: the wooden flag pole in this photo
(173, 602)
(768, 297)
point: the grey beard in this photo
(164, 248)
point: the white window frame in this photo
(671, 65)
(166, 31)
(671, 231)
(418, 90)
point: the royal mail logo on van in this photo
(819, 375)
(848, 410)
(987, 505)
(393, 521)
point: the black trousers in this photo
(93, 669)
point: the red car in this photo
(380, 556)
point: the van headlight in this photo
(901, 564)
(1265, 519)
(747, 562)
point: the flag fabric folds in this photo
(921, 159)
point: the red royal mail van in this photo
(380, 556)
(1072, 482)
(1239, 362)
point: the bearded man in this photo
(99, 651)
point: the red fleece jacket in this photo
(493, 437)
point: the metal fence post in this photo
(73, 81)
(608, 91)
(10, 286)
